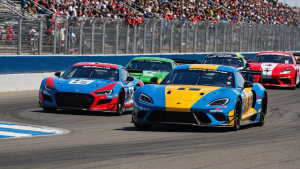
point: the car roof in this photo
(96, 64)
(153, 58)
(270, 52)
(208, 66)
(232, 55)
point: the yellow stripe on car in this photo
(180, 98)
(204, 66)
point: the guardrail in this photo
(78, 36)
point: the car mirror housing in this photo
(248, 84)
(57, 74)
(154, 80)
(130, 78)
(297, 62)
(247, 65)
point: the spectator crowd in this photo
(136, 11)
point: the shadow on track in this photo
(82, 113)
(183, 128)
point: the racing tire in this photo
(263, 112)
(142, 126)
(120, 104)
(50, 109)
(297, 85)
(237, 115)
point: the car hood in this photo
(184, 92)
(79, 84)
(147, 75)
(269, 66)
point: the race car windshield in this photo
(286, 59)
(233, 62)
(92, 72)
(199, 77)
(151, 65)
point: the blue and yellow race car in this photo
(200, 95)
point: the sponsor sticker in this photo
(116, 95)
(216, 111)
(96, 67)
(235, 91)
(259, 101)
(82, 82)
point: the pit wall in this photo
(27, 72)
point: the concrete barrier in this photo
(30, 81)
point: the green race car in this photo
(144, 68)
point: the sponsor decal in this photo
(82, 82)
(216, 111)
(96, 67)
(148, 73)
(116, 95)
(141, 108)
(151, 61)
(224, 106)
(235, 91)
(259, 101)
(260, 86)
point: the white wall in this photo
(30, 81)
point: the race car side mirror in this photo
(297, 62)
(130, 78)
(154, 80)
(248, 84)
(57, 74)
(247, 65)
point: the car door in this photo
(247, 98)
(128, 86)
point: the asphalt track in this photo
(100, 140)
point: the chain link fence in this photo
(115, 36)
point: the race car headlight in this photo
(104, 92)
(219, 102)
(145, 99)
(286, 71)
(48, 87)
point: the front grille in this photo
(74, 100)
(104, 101)
(219, 116)
(202, 117)
(147, 83)
(154, 116)
(47, 98)
(142, 114)
(178, 117)
(286, 81)
(270, 81)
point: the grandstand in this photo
(127, 27)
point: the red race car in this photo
(278, 69)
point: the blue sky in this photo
(291, 2)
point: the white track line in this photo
(30, 128)
(3, 133)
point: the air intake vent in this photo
(181, 88)
(196, 89)
(104, 101)
(142, 114)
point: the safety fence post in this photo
(103, 36)
(55, 34)
(19, 35)
(117, 38)
(93, 36)
(40, 37)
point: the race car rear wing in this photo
(139, 72)
(249, 74)
(185, 61)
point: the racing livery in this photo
(278, 69)
(201, 95)
(144, 68)
(227, 59)
(90, 86)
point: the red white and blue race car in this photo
(278, 69)
(90, 86)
